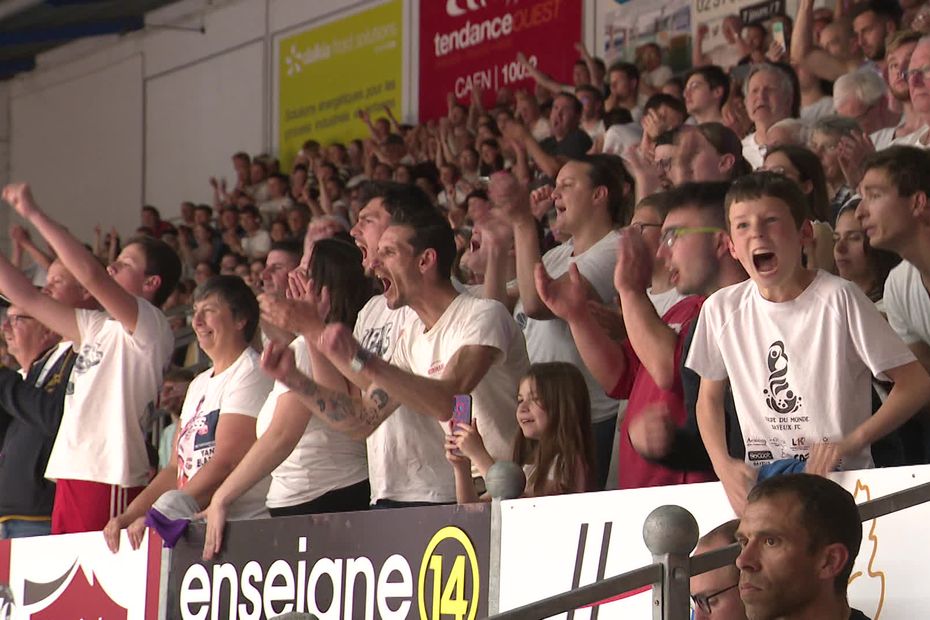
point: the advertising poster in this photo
(328, 72)
(76, 576)
(466, 44)
(624, 26)
(423, 563)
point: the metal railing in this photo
(671, 534)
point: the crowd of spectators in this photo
(719, 274)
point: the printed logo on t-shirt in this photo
(521, 320)
(377, 340)
(90, 356)
(779, 396)
(196, 444)
(436, 368)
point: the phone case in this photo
(461, 410)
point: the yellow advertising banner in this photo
(328, 72)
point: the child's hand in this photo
(737, 478)
(825, 458)
(468, 440)
(454, 456)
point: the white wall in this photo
(105, 125)
(78, 141)
(195, 118)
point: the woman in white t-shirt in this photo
(217, 425)
(314, 469)
(555, 446)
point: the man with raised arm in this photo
(410, 367)
(838, 50)
(99, 459)
(658, 439)
(588, 198)
(31, 406)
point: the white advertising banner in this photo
(554, 544)
(76, 576)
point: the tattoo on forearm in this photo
(380, 397)
(303, 385)
(340, 408)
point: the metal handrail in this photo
(656, 573)
(587, 595)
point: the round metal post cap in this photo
(505, 480)
(670, 529)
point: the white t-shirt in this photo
(256, 245)
(913, 138)
(658, 76)
(114, 381)
(907, 304)
(663, 302)
(406, 454)
(618, 138)
(753, 151)
(541, 129)
(595, 131)
(800, 370)
(725, 56)
(551, 340)
(820, 108)
(240, 389)
(466, 322)
(271, 208)
(323, 460)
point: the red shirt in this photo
(638, 386)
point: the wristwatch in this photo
(358, 361)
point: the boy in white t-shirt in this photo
(99, 459)
(799, 348)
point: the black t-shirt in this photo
(573, 146)
(688, 447)
(855, 614)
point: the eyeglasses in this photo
(18, 318)
(15, 319)
(642, 226)
(923, 72)
(671, 235)
(702, 601)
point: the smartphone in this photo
(461, 413)
(461, 410)
(778, 34)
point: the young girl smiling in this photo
(555, 446)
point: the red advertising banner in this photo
(468, 43)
